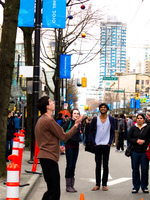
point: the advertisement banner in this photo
(65, 66)
(54, 14)
(26, 13)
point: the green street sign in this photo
(110, 78)
(118, 91)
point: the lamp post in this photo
(36, 72)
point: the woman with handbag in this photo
(72, 150)
(139, 138)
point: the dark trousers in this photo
(102, 153)
(52, 178)
(140, 159)
(9, 145)
(71, 159)
(121, 141)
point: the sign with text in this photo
(65, 66)
(54, 14)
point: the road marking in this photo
(114, 182)
(120, 180)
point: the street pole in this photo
(36, 72)
(66, 91)
(57, 92)
(124, 102)
(18, 65)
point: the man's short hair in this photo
(103, 104)
(148, 113)
(42, 104)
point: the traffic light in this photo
(136, 96)
(84, 82)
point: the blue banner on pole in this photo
(54, 14)
(26, 13)
(132, 103)
(138, 103)
(65, 66)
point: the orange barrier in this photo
(35, 162)
(13, 178)
(21, 143)
(15, 148)
(35, 158)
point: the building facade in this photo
(113, 49)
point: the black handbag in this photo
(128, 151)
(89, 147)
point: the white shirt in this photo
(103, 132)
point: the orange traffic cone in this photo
(82, 196)
(142, 199)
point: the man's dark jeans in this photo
(137, 160)
(102, 153)
(71, 158)
(52, 178)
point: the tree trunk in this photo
(7, 54)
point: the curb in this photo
(26, 191)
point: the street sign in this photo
(119, 91)
(110, 78)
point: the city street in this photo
(119, 184)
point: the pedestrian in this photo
(129, 125)
(72, 150)
(134, 120)
(147, 120)
(102, 132)
(121, 131)
(10, 134)
(17, 122)
(139, 138)
(48, 134)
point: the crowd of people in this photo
(64, 135)
(103, 131)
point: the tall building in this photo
(113, 49)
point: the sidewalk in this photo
(25, 178)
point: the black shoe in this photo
(145, 190)
(134, 190)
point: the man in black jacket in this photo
(102, 132)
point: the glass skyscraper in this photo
(113, 49)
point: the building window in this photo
(147, 82)
(142, 82)
(137, 82)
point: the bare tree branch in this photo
(2, 3)
(46, 82)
